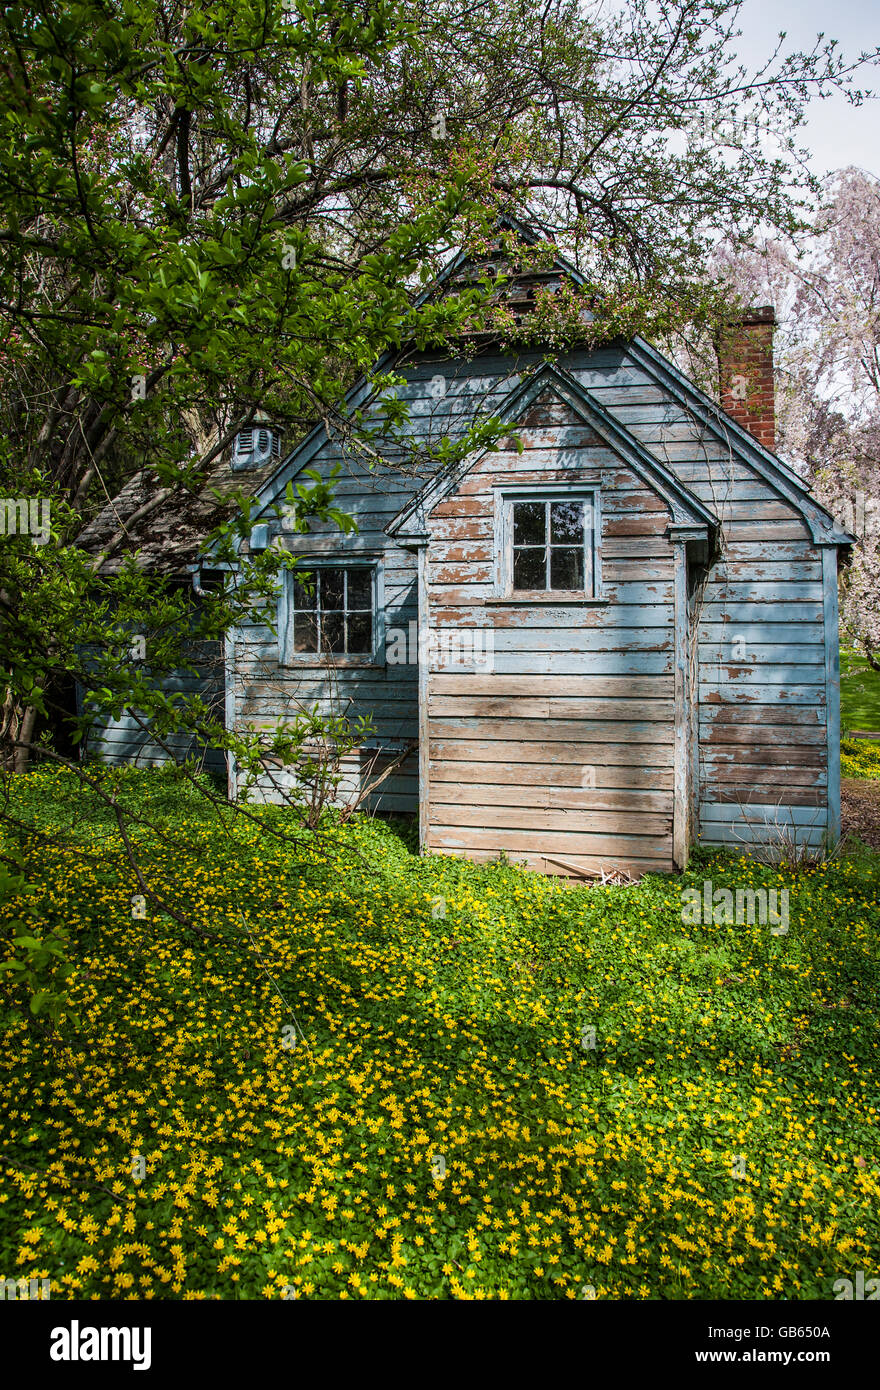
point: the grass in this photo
(859, 693)
(442, 1127)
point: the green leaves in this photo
(38, 968)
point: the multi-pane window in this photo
(552, 546)
(333, 611)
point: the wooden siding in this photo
(562, 754)
(762, 693)
(502, 753)
(266, 692)
(124, 740)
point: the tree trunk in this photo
(25, 734)
(16, 732)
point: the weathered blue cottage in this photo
(586, 654)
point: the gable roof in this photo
(168, 539)
(171, 537)
(687, 510)
(823, 529)
(777, 474)
(363, 390)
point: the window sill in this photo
(340, 662)
(562, 599)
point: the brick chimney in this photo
(745, 368)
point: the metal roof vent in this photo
(257, 445)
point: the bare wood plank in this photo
(583, 663)
(462, 529)
(713, 716)
(533, 819)
(718, 776)
(523, 615)
(742, 696)
(790, 612)
(552, 730)
(615, 848)
(752, 570)
(549, 797)
(792, 530)
(467, 506)
(720, 755)
(760, 814)
(650, 524)
(625, 547)
(791, 735)
(483, 750)
(726, 633)
(603, 779)
(468, 573)
(616, 571)
(619, 640)
(594, 687)
(773, 550)
(461, 552)
(772, 591)
(550, 707)
(790, 795)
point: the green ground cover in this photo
(384, 1076)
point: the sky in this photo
(837, 134)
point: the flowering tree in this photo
(826, 290)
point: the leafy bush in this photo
(36, 964)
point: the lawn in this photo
(446, 1125)
(859, 693)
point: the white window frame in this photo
(548, 492)
(308, 564)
